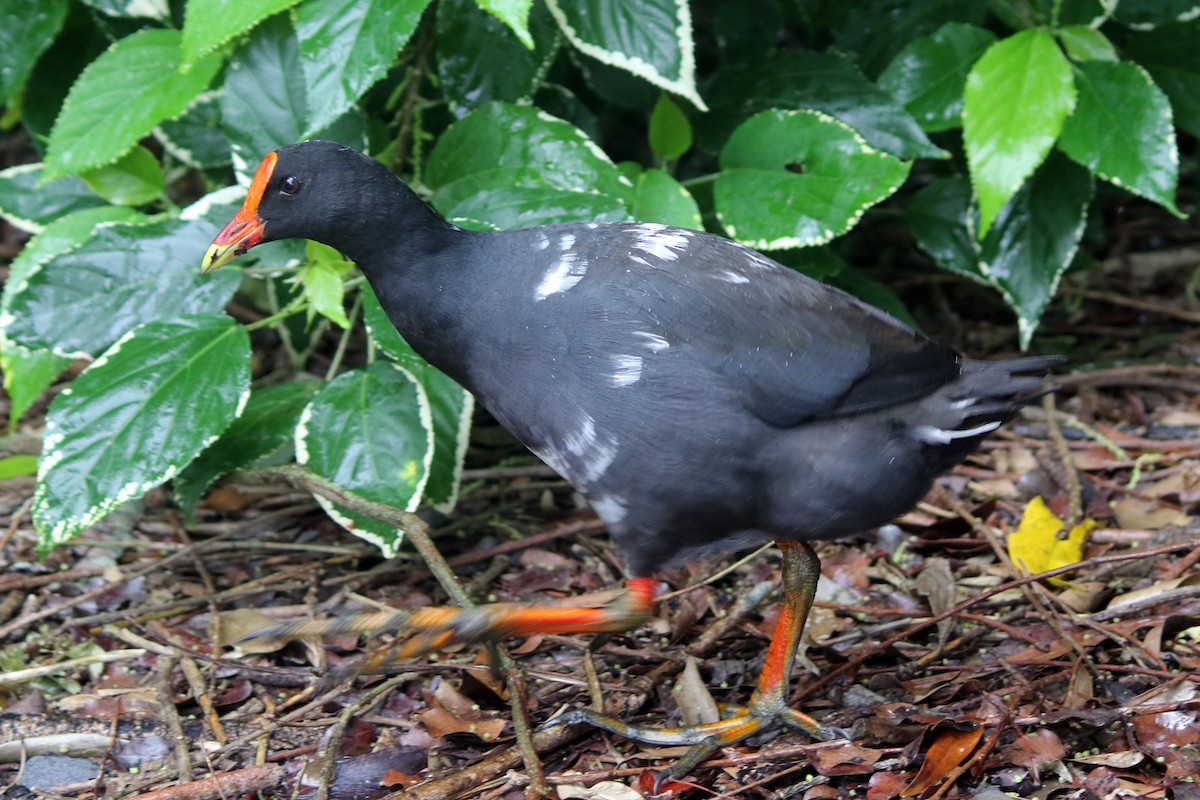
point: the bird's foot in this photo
(742, 722)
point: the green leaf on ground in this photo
(135, 417)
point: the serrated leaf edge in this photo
(300, 437)
(788, 242)
(684, 85)
(63, 530)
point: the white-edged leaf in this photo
(512, 166)
(120, 97)
(648, 38)
(348, 45)
(1018, 95)
(149, 405)
(370, 430)
(267, 424)
(30, 205)
(1122, 130)
(799, 178)
(81, 301)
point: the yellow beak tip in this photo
(217, 257)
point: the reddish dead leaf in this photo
(842, 758)
(1034, 750)
(669, 788)
(885, 786)
(947, 753)
(452, 712)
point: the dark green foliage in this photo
(781, 123)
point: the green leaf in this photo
(939, 221)
(267, 424)
(197, 138)
(27, 373)
(1035, 239)
(370, 431)
(799, 178)
(1152, 13)
(826, 82)
(27, 27)
(264, 104)
(30, 206)
(150, 9)
(83, 300)
(384, 333)
(135, 179)
(1170, 54)
(513, 13)
(1122, 131)
(651, 39)
(1083, 43)
(120, 97)
(1030, 246)
(59, 236)
(1018, 96)
(514, 167)
(135, 417)
(451, 408)
(208, 24)
(929, 74)
(321, 280)
(657, 197)
(670, 131)
(17, 466)
(481, 60)
(346, 46)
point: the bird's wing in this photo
(792, 348)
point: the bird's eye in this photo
(289, 185)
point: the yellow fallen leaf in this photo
(1037, 545)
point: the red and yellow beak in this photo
(245, 230)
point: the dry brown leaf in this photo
(1137, 514)
(604, 790)
(842, 758)
(696, 703)
(936, 582)
(452, 712)
(1123, 759)
(1148, 593)
(947, 753)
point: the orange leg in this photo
(427, 629)
(768, 705)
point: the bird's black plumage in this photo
(701, 395)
